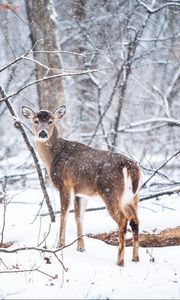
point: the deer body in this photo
(77, 169)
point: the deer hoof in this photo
(60, 245)
(81, 249)
(135, 259)
(120, 263)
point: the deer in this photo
(79, 170)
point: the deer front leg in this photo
(79, 207)
(65, 201)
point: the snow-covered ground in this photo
(94, 273)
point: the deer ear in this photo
(60, 111)
(27, 112)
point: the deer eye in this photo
(49, 122)
(36, 122)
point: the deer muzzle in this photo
(43, 135)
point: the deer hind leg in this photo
(79, 207)
(130, 212)
(121, 220)
(112, 205)
(122, 224)
(65, 202)
(135, 230)
(134, 223)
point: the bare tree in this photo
(130, 106)
(45, 40)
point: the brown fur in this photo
(83, 170)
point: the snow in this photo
(92, 274)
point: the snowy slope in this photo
(94, 273)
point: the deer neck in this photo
(45, 149)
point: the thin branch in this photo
(145, 129)
(41, 64)
(65, 74)
(27, 270)
(151, 10)
(157, 39)
(107, 106)
(72, 210)
(160, 193)
(173, 82)
(43, 250)
(59, 51)
(14, 9)
(18, 176)
(161, 166)
(169, 121)
(4, 220)
(19, 126)
(31, 51)
(99, 88)
(165, 104)
(7, 41)
(163, 206)
(14, 61)
(159, 173)
(45, 237)
(36, 249)
(16, 119)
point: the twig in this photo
(163, 206)
(161, 193)
(161, 166)
(17, 175)
(14, 10)
(107, 106)
(4, 220)
(7, 41)
(31, 51)
(168, 121)
(154, 10)
(27, 270)
(151, 257)
(45, 237)
(36, 249)
(65, 74)
(43, 250)
(72, 210)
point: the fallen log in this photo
(167, 237)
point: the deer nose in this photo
(43, 134)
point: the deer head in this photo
(44, 121)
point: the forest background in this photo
(114, 64)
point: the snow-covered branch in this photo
(63, 74)
(161, 166)
(31, 51)
(168, 192)
(164, 121)
(154, 10)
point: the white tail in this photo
(128, 194)
(82, 170)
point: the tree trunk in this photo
(44, 37)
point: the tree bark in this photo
(44, 36)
